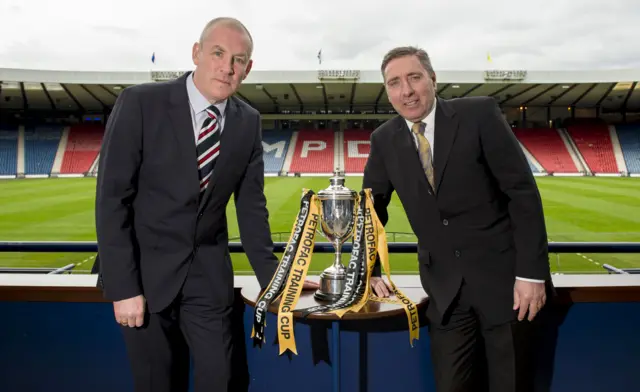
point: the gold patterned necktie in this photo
(424, 151)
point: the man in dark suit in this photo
(473, 204)
(173, 155)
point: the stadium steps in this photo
(82, 148)
(94, 165)
(62, 146)
(21, 160)
(547, 147)
(286, 166)
(536, 167)
(338, 151)
(617, 150)
(629, 136)
(574, 152)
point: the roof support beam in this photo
(73, 97)
(626, 100)
(246, 100)
(606, 94)
(109, 91)
(271, 97)
(46, 92)
(526, 90)
(295, 92)
(562, 94)
(378, 98)
(104, 106)
(498, 91)
(25, 101)
(442, 90)
(353, 96)
(477, 86)
(546, 90)
(583, 95)
(326, 100)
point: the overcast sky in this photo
(354, 34)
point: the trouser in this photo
(159, 350)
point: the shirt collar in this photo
(198, 101)
(429, 119)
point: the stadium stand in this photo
(314, 152)
(546, 145)
(82, 148)
(532, 166)
(41, 144)
(356, 150)
(275, 144)
(8, 152)
(594, 143)
(629, 136)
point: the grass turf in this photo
(576, 209)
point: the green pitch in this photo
(577, 209)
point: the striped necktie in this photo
(424, 151)
(208, 146)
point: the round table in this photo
(373, 311)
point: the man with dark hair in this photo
(474, 206)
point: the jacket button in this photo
(445, 222)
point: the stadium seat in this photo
(82, 148)
(629, 136)
(594, 143)
(275, 144)
(8, 152)
(41, 146)
(546, 145)
(314, 152)
(356, 148)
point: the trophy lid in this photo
(337, 190)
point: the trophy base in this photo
(326, 297)
(331, 286)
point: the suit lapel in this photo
(446, 128)
(180, 115)
(229, 140)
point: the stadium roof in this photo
(351, 90)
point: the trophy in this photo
(336, 224)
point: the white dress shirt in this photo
(430, 135)
(198, 103)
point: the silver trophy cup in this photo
(336, 223)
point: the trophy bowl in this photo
(338, 205)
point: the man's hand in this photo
(130, 312)
(310, 285)
(528, 296)
(380, 286)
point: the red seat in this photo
(546, 145)
(594, 143)
(356, 149)
(314, 152)
(82, 149)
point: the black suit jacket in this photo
(149, 220)
(483, 222)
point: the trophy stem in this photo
(337, 264)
